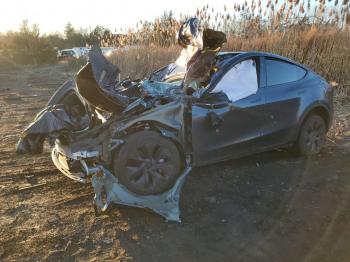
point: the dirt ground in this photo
(268, 207)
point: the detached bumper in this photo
(63, 164)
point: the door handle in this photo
(255, 101)
(214, 120)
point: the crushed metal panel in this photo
(177, 115)
(105, 73)
(165, 204)
(50, 120)
(169, 114)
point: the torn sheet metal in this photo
(106, 74)
(104, 96)
(57, 116)
(83, 153)
(52, 119)
(165, 204)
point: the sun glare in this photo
(87, 14)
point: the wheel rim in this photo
(315, 136)
(149, 167)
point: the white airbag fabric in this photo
(240, 81)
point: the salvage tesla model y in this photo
(253, 102)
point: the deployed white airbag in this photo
(240, 81)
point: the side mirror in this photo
(215, 99)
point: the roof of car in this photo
(255, 53)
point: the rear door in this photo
(282, 94)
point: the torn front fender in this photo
(165, 204)
(65, 111)
(174, 121)
(174, 117)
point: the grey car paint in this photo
(271, 118)
(172, 120)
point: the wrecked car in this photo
(137, 145)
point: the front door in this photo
(226, 129)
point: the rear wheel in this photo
(312, 136)
(147, 163)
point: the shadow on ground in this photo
(268, 207)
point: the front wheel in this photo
(312, 136)
(147, 163)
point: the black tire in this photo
(312, 136)
(147, 163)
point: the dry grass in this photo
(139, 61)
(326, 50)
(317, 35)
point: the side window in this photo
(240, 81)
(279, 72)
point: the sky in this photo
(52, 16)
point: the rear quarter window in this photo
(280, 72)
